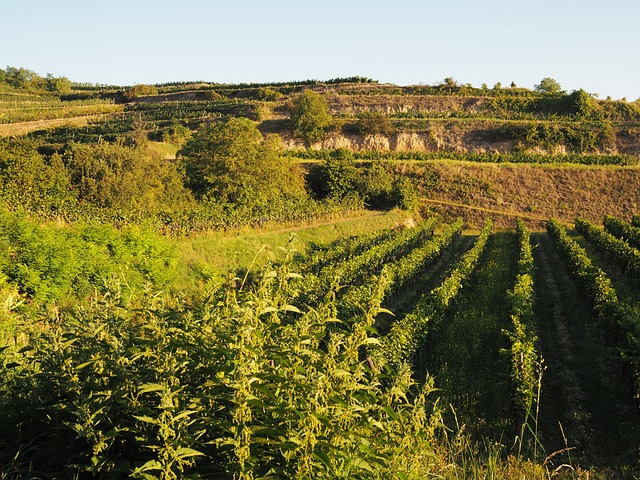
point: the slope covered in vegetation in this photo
(192, 286)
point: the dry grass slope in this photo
(533, 192)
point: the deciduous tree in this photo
(548, 85)
(230, 161)
(310, 117)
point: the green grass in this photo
(216, 254)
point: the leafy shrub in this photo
(27, 179)
(310, 117)
(49, 263)
(231, 162)
(374, 123)
(140, 90)
(243, 386)
(404, 194)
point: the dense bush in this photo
(231, 162)
(30, 180)
(229, 389)
(48, 263)
(116, 176)
(374, 123)
(310, 117)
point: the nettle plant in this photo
(244, 385)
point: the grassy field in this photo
(217, 254)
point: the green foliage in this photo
(175, 133)
(374, 123)
(336, 177)
(45, 108)
(224, 390)
(582, 104)
(310, 117)
(58, 84)
(27, 80)
(482, 157)
(615, 249)
(408, 333)
(139, 90)
(523, 339)
(269, 94)
(623, 230)
(59, 264)
(548, 85)
(619, 321)
(353, 270)
(211, 95)
(29, 180)
(401, 273)
(578, 138)
(376, 185)
(18, 77)
(116, 176)
(405, 194)
(231, 162)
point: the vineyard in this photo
(405, 352)
(335, 279)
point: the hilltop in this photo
(409, 131)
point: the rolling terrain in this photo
(441, 281)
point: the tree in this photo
(548, 85)
(582, 104)
(139, 90)
(310, 117)
(30, 180)
(58, 84)
(404, 194)
(19, 78)
(336, 177)
(118, 176)
(231, 162)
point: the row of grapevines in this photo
(622, 230)
(616, 317)
(344, 249)
(522, 336)
(614, 249)
(15, 115)
(403, 271)
(370, 261)
(408, 333)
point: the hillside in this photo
(440, 118)
(378, 291)
(533, 192)
(413, 131)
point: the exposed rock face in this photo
(435, 140)
(439, 123)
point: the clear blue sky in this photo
(582, 44)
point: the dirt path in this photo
(530, 216)
(582, 387)
(22, 128)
